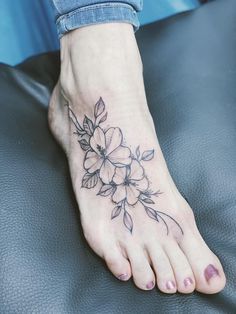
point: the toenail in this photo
(123, 277)
(150, 285)
(170, 285)
(188, 281)
(210, 272)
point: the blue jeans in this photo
(71, 14)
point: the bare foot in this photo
(131, 211)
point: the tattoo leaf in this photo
(151, 213)
(148, 201)
(101, 119)
(116, 212)
(75, 121)
(90, 180)
(84, 144)
(99, 108)
(157, 193)
(148, 155)
(106, 190)
(137, 152)
(128, 222)
(88, 125)
(80, 132)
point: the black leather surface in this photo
(45, 264)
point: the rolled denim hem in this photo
(97, 14)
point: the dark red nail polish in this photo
(150, 285)
(210, 272)
(123, 277)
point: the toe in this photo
(184, 276)
(164, 273)
(207, 269)
(142, 272)
(118, 264)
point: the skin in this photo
(103, 60)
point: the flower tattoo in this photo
(120, 174)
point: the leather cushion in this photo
(45, 264)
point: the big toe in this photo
(208, 272)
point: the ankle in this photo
(110, 67)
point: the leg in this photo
(131, 211)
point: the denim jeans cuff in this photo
(97, 14)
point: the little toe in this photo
(164, 273)
(207, 269)
(118, 264)
(184, 276)
(142, 272)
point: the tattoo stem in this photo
(159, 213)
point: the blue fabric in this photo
(103, 12)
(154, 10)
(72, 14)
(65, 6)
(27, 27)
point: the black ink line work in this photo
(119, 172)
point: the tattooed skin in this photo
(120, 173)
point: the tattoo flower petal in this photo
(97, 141)
(119, 194)
(136, 171)
(132, 194)
(141, 185)
(107, 171)
(92, 162)
(121, 156)
(130, 182)
(113, 139)
(119, 175)
(107, 153)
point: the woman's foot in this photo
(131, 211)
